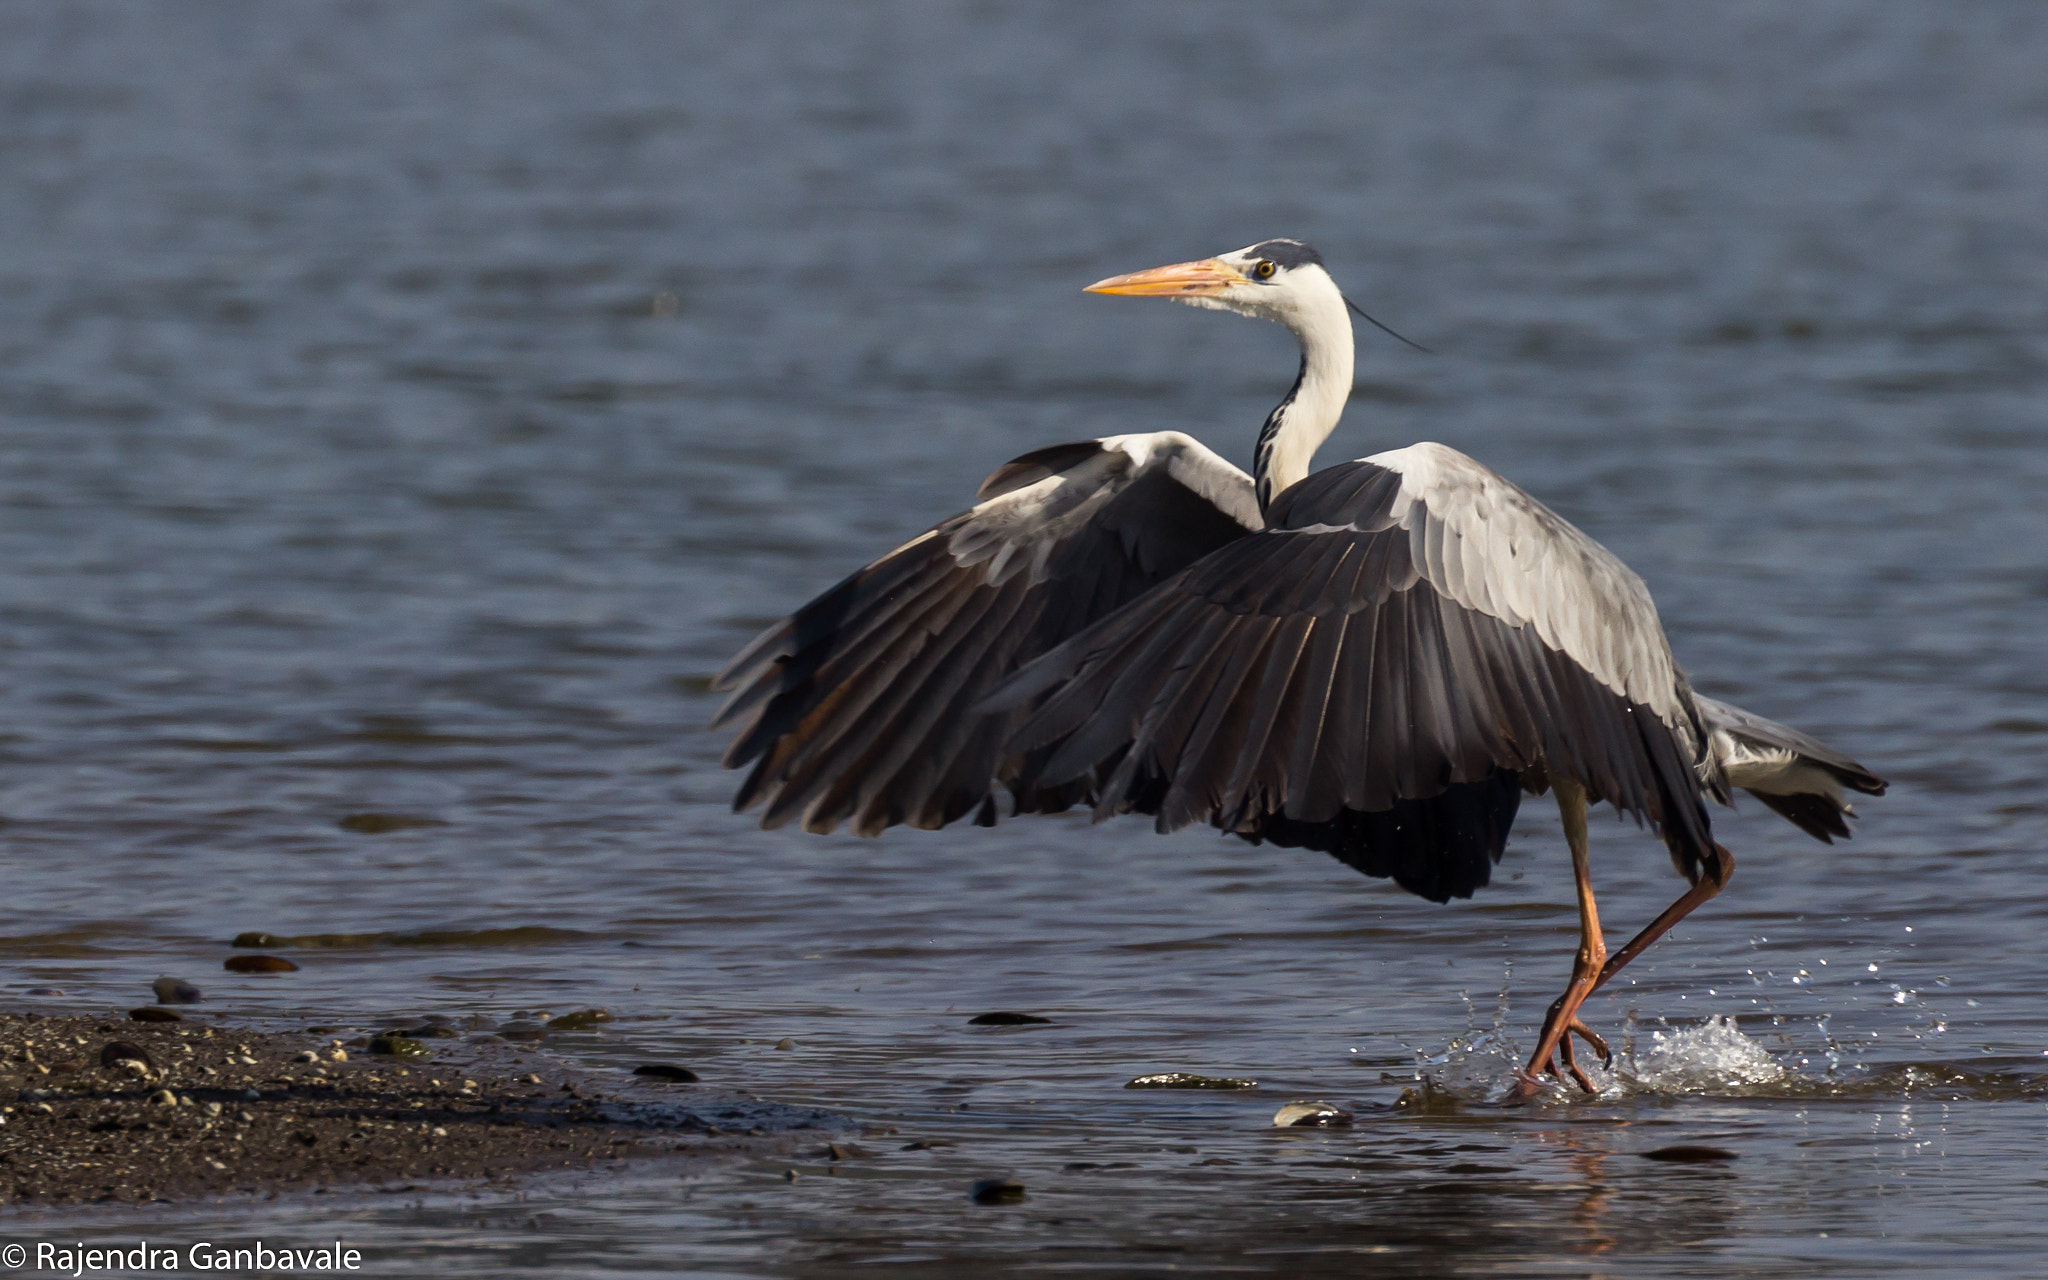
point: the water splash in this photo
(1710, 1057)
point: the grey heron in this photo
(1376, 660)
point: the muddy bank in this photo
(98, 1110)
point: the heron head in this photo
(1279, 280)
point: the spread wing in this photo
(1798, 776)
(1379, 673)
(863, 706)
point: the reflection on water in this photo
(403, 410)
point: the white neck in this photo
(1298, 427)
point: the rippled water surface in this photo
(405, 408)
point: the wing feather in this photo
(865, 705)
(1374, 673)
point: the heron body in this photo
(1377, 660)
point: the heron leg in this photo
(1713, 878)
(1587, 967)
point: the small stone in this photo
(175, 991)
(1311, 1115)
(518, 1030)
(116, 1052)
(439, 1132)
(44, 991)
(529, 1078)
(579, 1020)
(845, 1151)
(1006, 1020)
(163, 1098)
(666, 1071)
(245, 1116)
(401, 1047)
(256, 939)
(1685, 1154)
(1189, 1080)
(259, 964)
(217, 1165)
(213, 1108)
(305, 1055)
(996, 1191)
(785, 1043)
(790, 1175)
(155, 1013)
(251, 1095)
(339, 1055)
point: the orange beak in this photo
(1203, 279)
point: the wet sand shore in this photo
(96, 1110)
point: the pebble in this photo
(529, 1078)
(305, 1055)
(175, 991)
(1006, 1020)
(666, 1071)
(790, 1175)
(996, 1191)
(119, 1051)
(44, 991)
(785, 1043)
(259, 964)
(1685, 1154)
(439, 1132)
(1311, 1115)
(163, 1098)
(155, 1013)
(579, 1020)
(1189, 1080)
(255, 939)
(251, 1095)
(339, 1055)
(213, 1108)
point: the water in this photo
(404, 409)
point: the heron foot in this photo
(1567, 1060)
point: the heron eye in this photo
(1263, 271)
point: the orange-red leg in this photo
(1587, 966)
(1564, 1011)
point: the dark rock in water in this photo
(520, 1030)
(44, 991)
(578, 1021)
(1689, 1154)
(377, 824)
(120, 1050)
(845, 1151)
(401, 1047)
(175, 991)
(996, 1191)
(427, 1031)
(257, 939)
(666, 1071)
(1006, 1020)
(785, 1043)
(155, 1013)
(1189, 1080)
(259, 964)
(1311, 1115)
